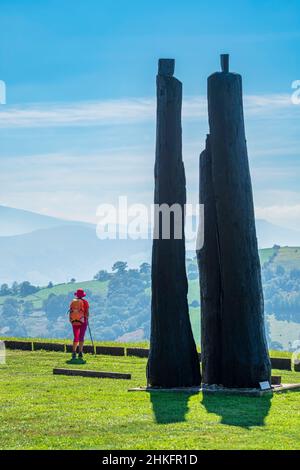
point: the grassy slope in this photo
(100, 287)
(265, 254)
(42, 411)
(94, 286)
(58, 289)
(288, 257)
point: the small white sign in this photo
(265, 385)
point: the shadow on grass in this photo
(170, 407)
(239, 411)
(76, 361)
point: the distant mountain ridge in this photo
(18, 221)
(40, 248)
(60, 253)
(269, 234)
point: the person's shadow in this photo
(240, 411)
(170, 407)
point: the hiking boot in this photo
(74, 355)
(80, 355)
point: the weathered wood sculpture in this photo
(173, 359)
(234, 348)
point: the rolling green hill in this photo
(64, 289)
(287, 257)
(114, 311)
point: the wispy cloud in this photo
(134, 110)
(284, 215)
(78, 114)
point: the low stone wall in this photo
(138, 352)
(297, 367)
(22, 345)
(280, 363)
(39, 346)
(110, 350)
(88, 349)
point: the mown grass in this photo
(42, 411)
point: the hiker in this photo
(79, 314)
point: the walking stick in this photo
(91, 335)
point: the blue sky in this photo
(78, 128)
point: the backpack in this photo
(76, 312)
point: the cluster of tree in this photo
(13, 316)
(123, 309)
(23, 289)
(125, 305)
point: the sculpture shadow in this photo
(170, 407)
(239, 411)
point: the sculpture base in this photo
(216, 389)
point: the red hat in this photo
(80, 293)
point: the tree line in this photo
(124, 307)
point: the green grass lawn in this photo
(41, 411)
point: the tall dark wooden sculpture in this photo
(234, 348)
(173, 359)
(210, 281)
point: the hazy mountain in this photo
(39, 248)
(17, 221)
(269, 234)
(60, 253)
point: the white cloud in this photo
(52, 182)
(134, 110)
(269, 197)
(72, 186)
(281, 207)
(77, 114)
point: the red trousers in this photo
(79, 332)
